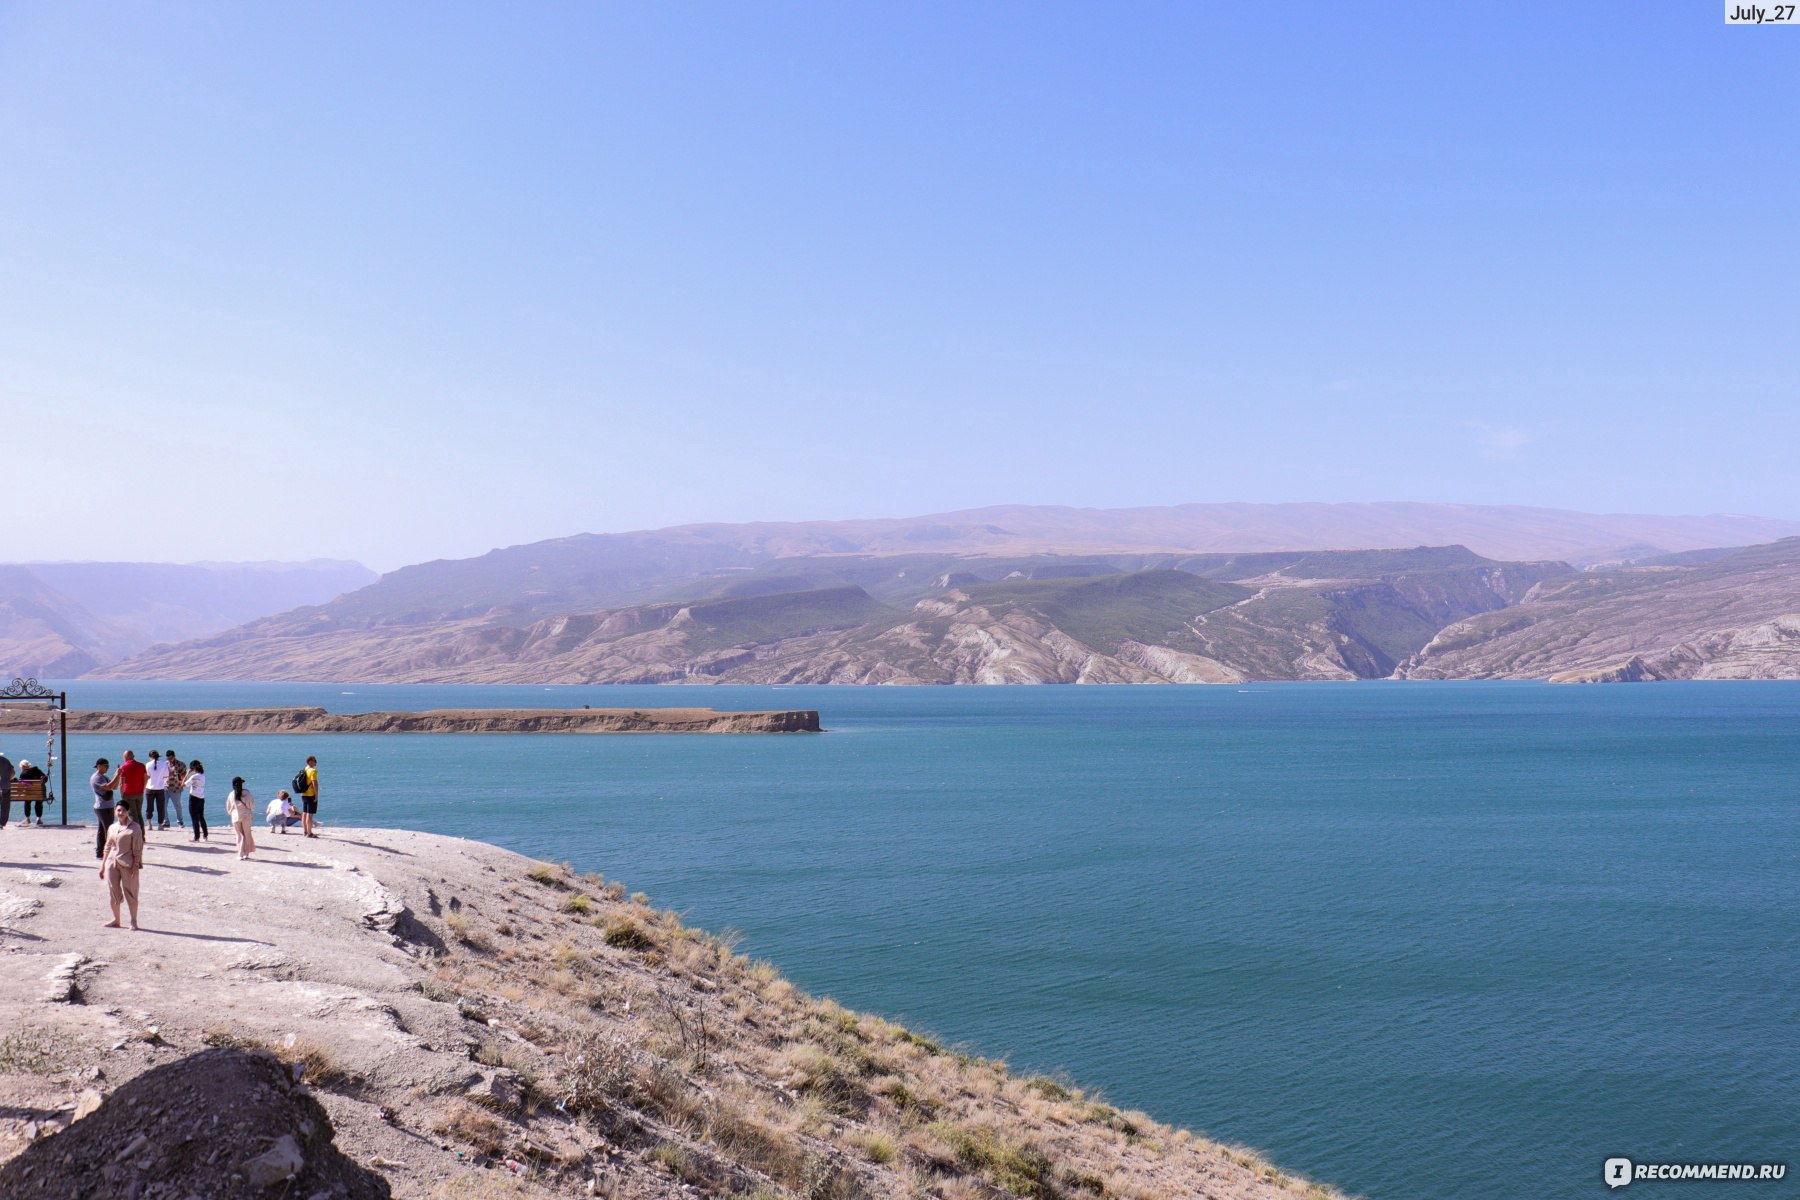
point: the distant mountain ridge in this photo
(1020, 594)
(63, 619)
(1506, 532)
(921, 619)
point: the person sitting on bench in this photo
(33, 779)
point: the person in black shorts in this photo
(309, 797)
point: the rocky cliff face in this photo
(1733, 617)
(1163, 619)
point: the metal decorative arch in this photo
(22, 688)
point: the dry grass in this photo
(35, 1052)
(311, 1062)
(476, 1127)
(712, 1073)
(627, 933)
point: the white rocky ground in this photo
(477, 1025)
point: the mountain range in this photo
(1034, 594)
(64, 619)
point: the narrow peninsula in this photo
(442, 720)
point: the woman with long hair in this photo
(196, 790)
(238, 806)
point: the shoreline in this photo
(475, 1022)
(313, 720)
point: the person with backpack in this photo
(306, 786)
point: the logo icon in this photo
(1616, 1172)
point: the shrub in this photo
(913, 1039)
(317, 1067)
(626, 934)
(477, 1127)
(464, 932)
(1016, 1167)
(578, 904)
(879, 1147)
(548, 875)
(597, 1071)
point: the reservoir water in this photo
(1417, 940)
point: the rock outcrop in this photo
(221, 1123)
(1736, 616)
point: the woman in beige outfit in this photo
(239, 809)
(122, 863)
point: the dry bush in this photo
(318, 1067)
(813, 1071)
(476, 1127)
(311, 1062)
(464, 932)
(626, 933)
(502, 1052)
(683, 1164)
(1049, 1088)
(549, 876)
(756, 1143)
(1013, 1166)
(598, 1071)
(879, 1148)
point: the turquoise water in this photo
(1418, 940)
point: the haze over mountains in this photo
(64, 619)
(1195, 593)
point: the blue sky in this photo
(396, 282)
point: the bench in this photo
(30, 791)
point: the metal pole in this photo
(62, 717)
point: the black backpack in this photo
(300, 781)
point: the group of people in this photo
(25, 772)
(143, 791)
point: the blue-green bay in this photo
(1418, 940)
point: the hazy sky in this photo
(403, 281)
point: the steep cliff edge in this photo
(478, 1025)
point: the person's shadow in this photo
(203, 937)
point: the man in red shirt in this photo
(130, 780)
